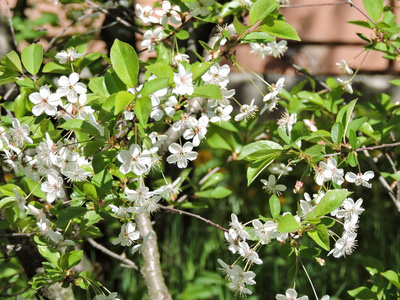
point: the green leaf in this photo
(163, 55)
(143, 109)
(32, 57)
(80, 126)
(259, 149)
(67, 214)
(353, 139)
(299, 132)
(13, 62)
(20, 104)
(122, 99)
(198, 69)
(345, 114)
(70, 259)
(154, 85)
(274, 206)
(103, 183)
(356, 124)
(311, 97)
(372, 265)
(374, 8)
(218, 193)
(332, 200)
(125, 62)
(337, 133)
(282, 30)
(396, 176)
(216, 141)
(321, 236)
(261, 9)
(210, 91)
(103, 159)
(50, 253)
(362, 292)
(239, 27)
(287, 224)
(160, 69)
(258, 166)
(212, 180)
(315, 150)
(7, 202)
(257, 37)
(392, 276)
(52, 67)
(182, 34)
(113, 83)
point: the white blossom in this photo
(271, 187)
(151, 38)
(71, 87)
(53, 187)
(68, 56)
(344, 67)
(183, 81)
(134, 160)
(20, 133)
(128, 235)
(181, 154)
(246, 112)
(360, 179)
(290, 294)
(197, 131)
(45, 102)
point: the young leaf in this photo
(274, 206)
(143, 109)
(70, 259)
(337, 133)
(13, 62)
(331, 201)
(258, 166)
(320, 236)
(257, 149)
(210, 91)
(50, 253)
(287, 224)
(32, 57)
(374, 8)
(125, 62)
(261, 9)
(80, 126)
(122, 99)
(282, 30)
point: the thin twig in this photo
(182, 212)
(208, 175)
(365, 148)
(52, 41)
(351, 3)
(10, 23)
(121, 258)
(15, 234)
(104, 11)
(394, 171)
(383, 181)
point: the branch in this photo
(151, 269)
(383, 181)
(11, 24)
(365, 148)
(350, 2)
(121, 258)
(182, 212)
(117, 18)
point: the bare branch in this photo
(383, 181)
(10, 23)
(350, 2)
(182, 212)
(122, 258)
